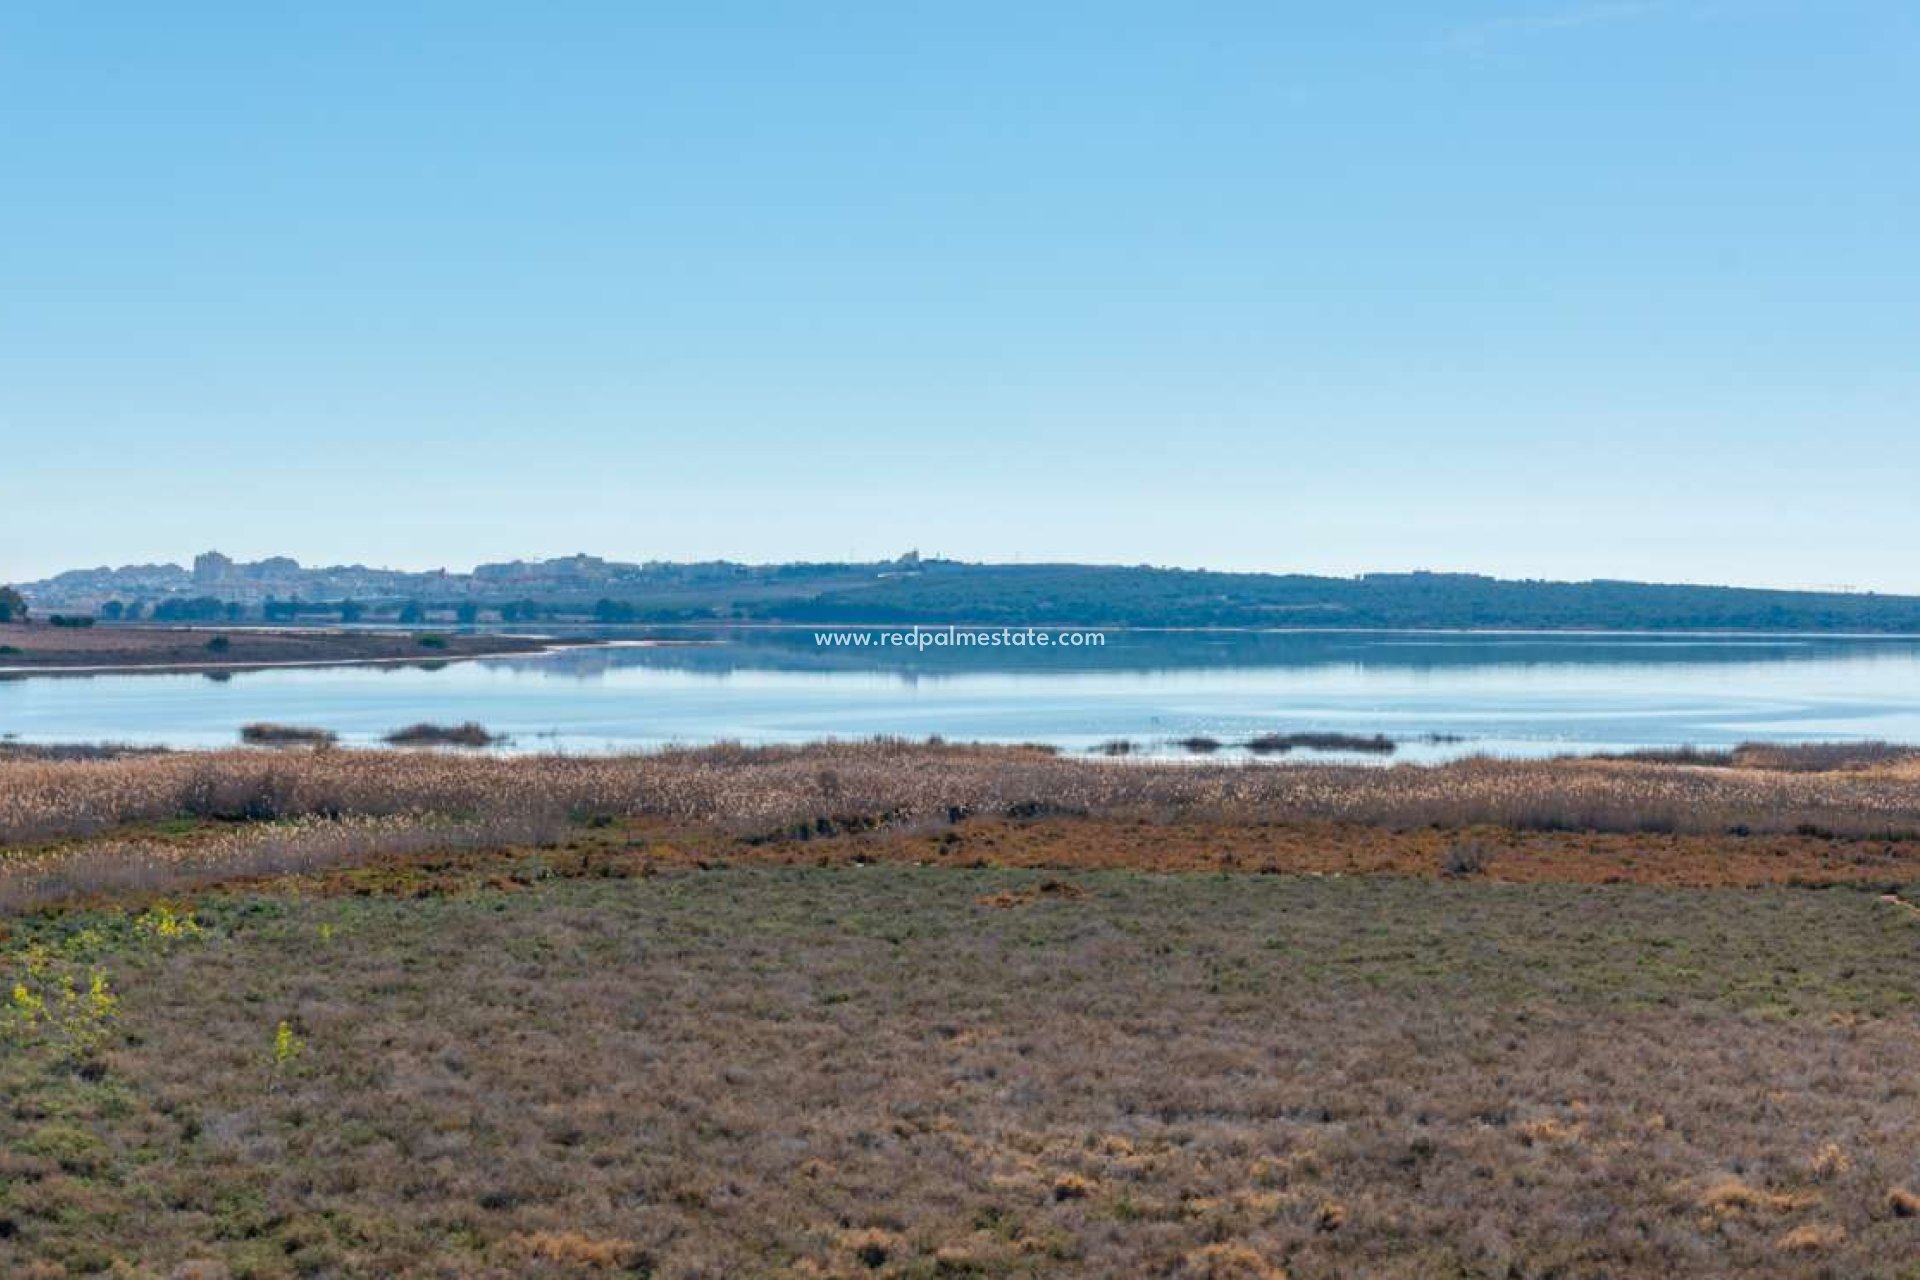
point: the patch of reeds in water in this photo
(469, 734)
(266, 734)
(1280, 743)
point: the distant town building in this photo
(210, 569)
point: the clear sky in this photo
(1564, 289)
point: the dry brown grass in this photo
(89, 826)
(1812, 1237)
(575, 1251)
(1029, 894)
(1784, 757)
(1822, 757)
(857, 786)
(863, 1072)
(142, 865)
(1731, 1195)
(1227, 1262)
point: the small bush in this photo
(1200, 745)
(1071, 1186)
(287, 1045)
(71, 620)
(432, 642)
(1465, 858)
(1116, 747)
(219, 644)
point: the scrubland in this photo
(923, 1011)
(918, 1072)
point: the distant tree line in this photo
(1077, 595)
(1110, 596)
(199, 609)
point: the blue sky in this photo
(1561, 289)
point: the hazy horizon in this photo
(467, 567)
(1563, 291)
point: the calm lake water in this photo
(1505, 693)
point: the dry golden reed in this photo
(833, 786)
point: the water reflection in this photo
(1436, 694)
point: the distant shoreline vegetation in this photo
(443, 735)
(1268, 744)
(266, 734)
(910, 590)
(1281, 743)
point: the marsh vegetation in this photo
(912, 1010)
(914, 1072)
(882, 782)
(465, 734)
(265, 734)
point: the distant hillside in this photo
(1083, 595)
(587, 588)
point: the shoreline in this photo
(183, 668)
(181, 650)
(1692, 633)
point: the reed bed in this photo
(1281, 743)
(1783, 757)
(859, 785)
(468, 734)
(109, 867)
(1820, 757)
(286, 735)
